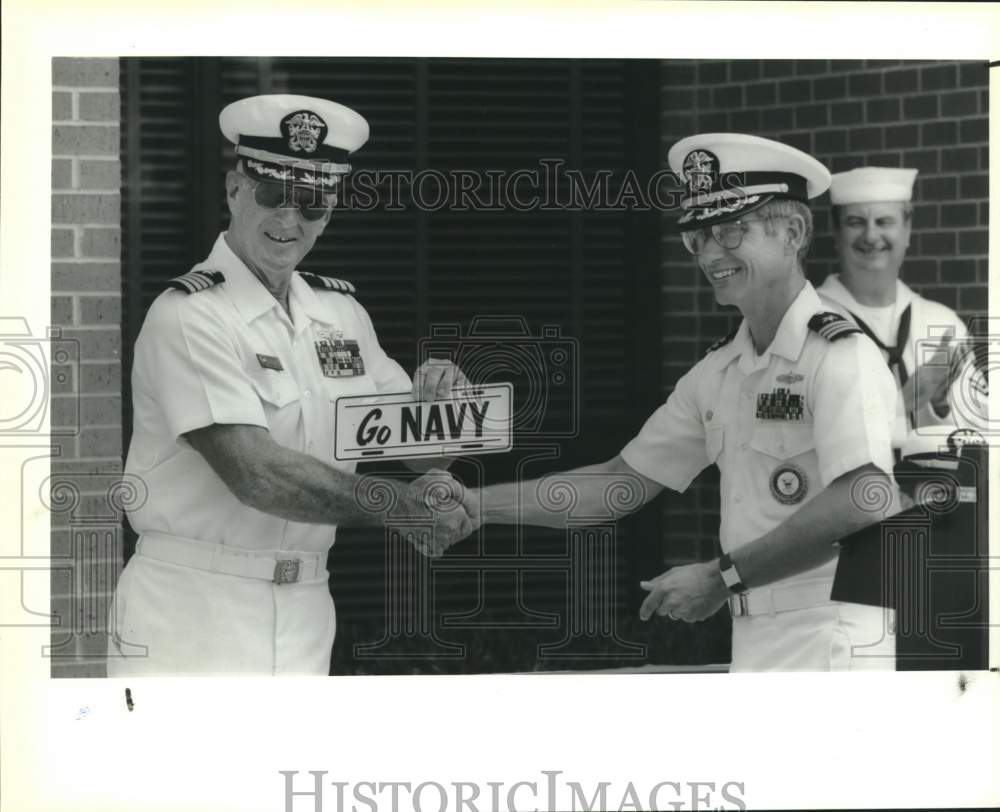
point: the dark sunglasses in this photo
(311, 204)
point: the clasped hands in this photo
(446, 510)
(692, 592)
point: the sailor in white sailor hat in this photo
(236, 375)
(794, 407)
(872, 221)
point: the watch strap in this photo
(730, 574)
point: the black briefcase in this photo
(929, 563)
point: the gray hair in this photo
(784, 207)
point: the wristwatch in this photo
(729, 574)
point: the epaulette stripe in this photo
(832, 326)
(722, 341)
(181, 284)
(196, 281)
(327, 283)
(837, 327)
(838, 331)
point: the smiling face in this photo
(271, 242)
(871, 242)
(750, 274)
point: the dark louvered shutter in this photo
(584, 281)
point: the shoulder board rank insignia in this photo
(832, 326)
(327, 283)
(195, 281)
(722, 341)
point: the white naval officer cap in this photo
(727, 175)
(294, 139)
(872, 184)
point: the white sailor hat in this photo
(872, 184)
(727, 175)
(297, 139)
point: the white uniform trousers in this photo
(829, 637)
(170, 619)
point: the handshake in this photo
(449, 511)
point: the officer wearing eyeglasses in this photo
(236, 374)
(794, 407)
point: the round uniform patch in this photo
(789, 484)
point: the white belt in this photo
(780, 599)
(277, 566)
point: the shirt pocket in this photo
(275, 389)
(783, 442)
(282, 403)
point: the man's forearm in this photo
(301, 488)
(807, 539)
(518, 503)
(274, 479)
(606, 491)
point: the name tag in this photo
(270, 362)
(473, 420)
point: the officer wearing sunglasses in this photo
(311, 204)
(794, 407)
(236, 374)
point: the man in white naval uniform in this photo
(872, 220)
(236, 374)
(795, 408)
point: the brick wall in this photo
(932, 116)
(86, 306)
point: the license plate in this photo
(473, 420)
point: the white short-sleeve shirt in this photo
(780, 426)
(230, 354)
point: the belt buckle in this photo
(286, 570)
(739, 605)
